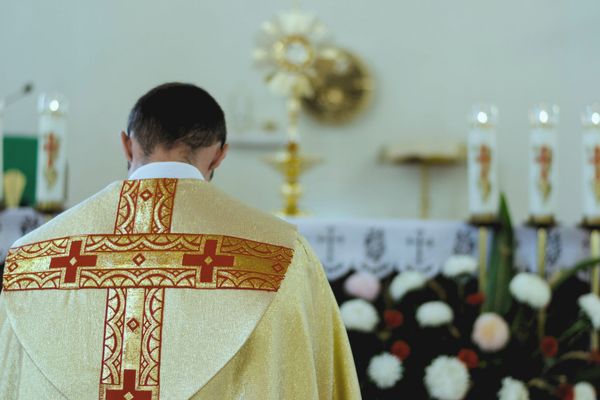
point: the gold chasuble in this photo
(168, 289)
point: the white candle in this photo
(543, 174)
(1, 149)
(482, 163)
(51, 182)
(591, 163)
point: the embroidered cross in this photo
(545, 160)
(207, 261)
(73, 261)
(129, 391)
(51, 148)
(123, 264)
(484, 158)
(330, 240)
(595, 161)
(420, 242)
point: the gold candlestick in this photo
(483, 239)
(484, 224)
(292, 165)
(425, 191)
(542, 239)
(542, 225)
(593, 227)
(595, 284)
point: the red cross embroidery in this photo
(129, 391)
(595, 161)
(545, 161)
(73, 261)
(51, 147)
(207, 261)
(484, 158)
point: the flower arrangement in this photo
(521, 337)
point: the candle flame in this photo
(482, 117)
(54, 105)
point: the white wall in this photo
(431, 60)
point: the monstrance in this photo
(342, 87)
(288, 48)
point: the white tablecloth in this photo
(385, 246)
(381, 246)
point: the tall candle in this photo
(1, 149)
(482, 163)
(52, 153)
(543, 174)
(590, 119)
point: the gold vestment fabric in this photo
(168, 289)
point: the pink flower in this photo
(490, 332)
(363, 285)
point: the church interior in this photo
(442, 159)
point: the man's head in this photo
(176, 122)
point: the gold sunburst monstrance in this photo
(288, 47)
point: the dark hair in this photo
(175, 113)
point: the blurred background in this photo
(429, 61)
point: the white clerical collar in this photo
(167, 169)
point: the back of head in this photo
(176, 113)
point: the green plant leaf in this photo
(567, 274)
(500, 264)
(579, 325)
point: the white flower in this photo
(406, 282)
(590, 304)
(385, 370)
(447, 378)
(531, 290)
(513, 389)
(584, 391)
(359, 315)
(434, 313)
(459, 265)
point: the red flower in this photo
(469, 358)
(475, 299)
(393, 318)
(401, 349)
(566, 392)
(549, 346)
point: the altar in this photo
(352, 142)
(383, 247)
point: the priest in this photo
(163, 287)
